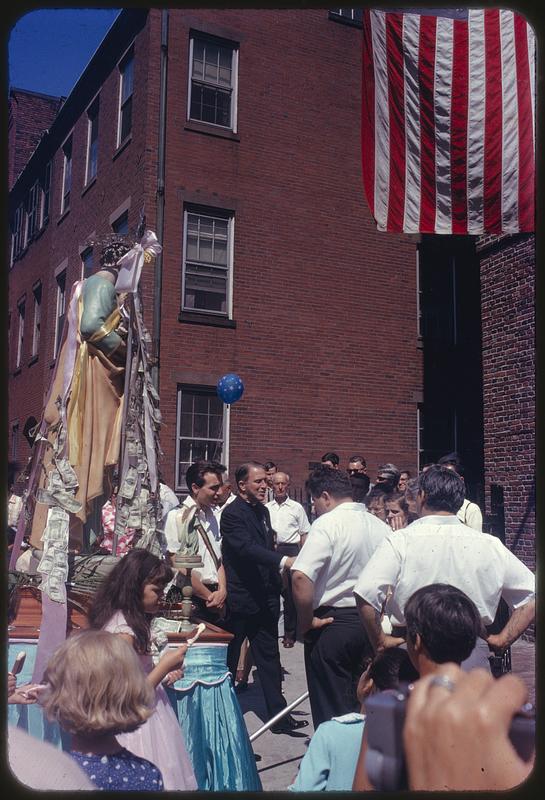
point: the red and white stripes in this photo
(448, 132)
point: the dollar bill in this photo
(67, 473)
(128, 486)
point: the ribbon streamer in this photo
(132, 262)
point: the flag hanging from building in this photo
(448, 121)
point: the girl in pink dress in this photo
(124, 604)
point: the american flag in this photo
(448, 121)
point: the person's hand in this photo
(23, 695)
(456, 737)
(396, 522)
(173, 658)
(387, 640)
(12, 683)
(290, 560)
(316, 624)
(496, 643)
(216, 599)
(173, 676)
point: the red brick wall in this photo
(508, 321)
(30, 115)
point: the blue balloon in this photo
(230, 388)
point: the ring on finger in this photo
(444, 682)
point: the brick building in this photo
(30, 115)
(246, 158)
(237, 131)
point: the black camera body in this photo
(385, 757)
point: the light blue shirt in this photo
(330, 762)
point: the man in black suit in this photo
(253, 569)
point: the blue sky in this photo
(48, 49)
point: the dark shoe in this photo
(241, 686)
(288, 643)
(288, 725)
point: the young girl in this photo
(96, 690)
(124, 604)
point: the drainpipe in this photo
(160, 198)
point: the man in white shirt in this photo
(290, 523)
(438, 548)
(469, 513)
(204, 480)
(339, 545)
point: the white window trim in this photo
(36, 332)
(69, 138)
(89, 129)
(58, 338)
(226, 434)
(230, 217)
(20, 332)
(35, 195)
(234, 85)
(47, 180)
(119, 141)
(82, 252)
(120, 210)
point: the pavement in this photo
(280, 753)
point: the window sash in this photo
(33, 209)
(46, 194)
(37, 320)
(20, 334)
(212, 85)
(67, 177)
(61, 310)
(92, 143)
(207, 263)
(195, 411)
(126, 88)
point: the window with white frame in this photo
(92, 142)
(66, 175)
(33, 210)
(61, 310)
(20, 333)
(46, 190)
(207, 261)
(18, 233)
(126, 73)
(201, 423)
(86, 262)
(14, 441)
(37, 293)
(121, 224)
(353, 15)
(213, 81)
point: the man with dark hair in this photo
(204, 481)
(271, 469)
(442, 625)
(439, 548)
(357, 471)
(331, 460)
(388, 477)
(338, 546)
(253, 569)
(469, 513)
(404, 478)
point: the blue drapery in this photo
(214, 729)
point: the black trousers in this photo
(334, 657)
(290, 613)
(262, 632)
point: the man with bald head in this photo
(290, 522)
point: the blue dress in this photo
(120, 772)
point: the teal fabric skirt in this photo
(212, 722)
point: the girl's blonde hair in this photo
(97, 686)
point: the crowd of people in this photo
(392, 583)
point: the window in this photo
(37, 292)
(126, 69)
(121, 224)
(87, 263)
(92, 142)
(208, 262)
(46, 194)
(212, 91)
(351, 15)
(61, 310)
(14, 441)
(200, 429)
(20, 333)
(67, 175)
(18, 233)
(33, 209)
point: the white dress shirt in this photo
(441, 549)
(470, 514)
(207, 574)
(289, 520)
(217, 510)
(338, 547)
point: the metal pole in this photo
(278, 716)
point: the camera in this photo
(385, 757)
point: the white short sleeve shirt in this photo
(338, 547)
(441, 549)
(208, 573)
(289, 520)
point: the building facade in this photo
(237, 133)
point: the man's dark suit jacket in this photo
(250, 561)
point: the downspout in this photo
(160, 199)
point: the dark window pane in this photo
(200, 426)
(186, 424)
(201, 404)
(216, 427)
(126, 119)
